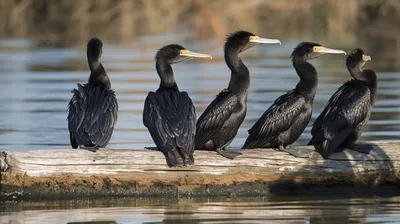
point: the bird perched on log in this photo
(92, 111)
(285, 120)
(348, 110)
(169, 114)
(220, 122)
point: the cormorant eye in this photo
(315, 48)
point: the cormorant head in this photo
(309, 50)
(94, 49)
(356, 58)
(175, 53)
(240, 41)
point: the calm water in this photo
(206, 210)
(36, 83)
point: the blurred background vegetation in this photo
(341, 23)
(64, 22)
(363, 23)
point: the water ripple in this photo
(37, 83)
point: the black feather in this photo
(214, 117)
(349, 107)
(277, 120)
(283, 123)
(340, 123)
(171, 120)
(89, 112)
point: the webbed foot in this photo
(297, 152)
(90, 148)
(362, 148)
(230, 153)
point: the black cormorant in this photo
(92, 111)
(169, 114)
(285, 120)
(340, 124)
(220, 122)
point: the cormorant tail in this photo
(174, 158)
(336, 143)
(187, 157)
(73, 142)
(326, 148)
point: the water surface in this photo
(36, 82)
(206, 210)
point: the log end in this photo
(3, 162)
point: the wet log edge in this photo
(78, 173)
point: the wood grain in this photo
(384, 156)
(257, 165)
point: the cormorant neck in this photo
(98, 74)
(240, 76)
(166, 74)
(93, 61)
(356, 72)
(307, 86)
(362, 75)
(367, 76)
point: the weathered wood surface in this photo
(146, 172)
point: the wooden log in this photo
(108, 172)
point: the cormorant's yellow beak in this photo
(192, 54)
(260, 40)
(366, 58)
(325, 50)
